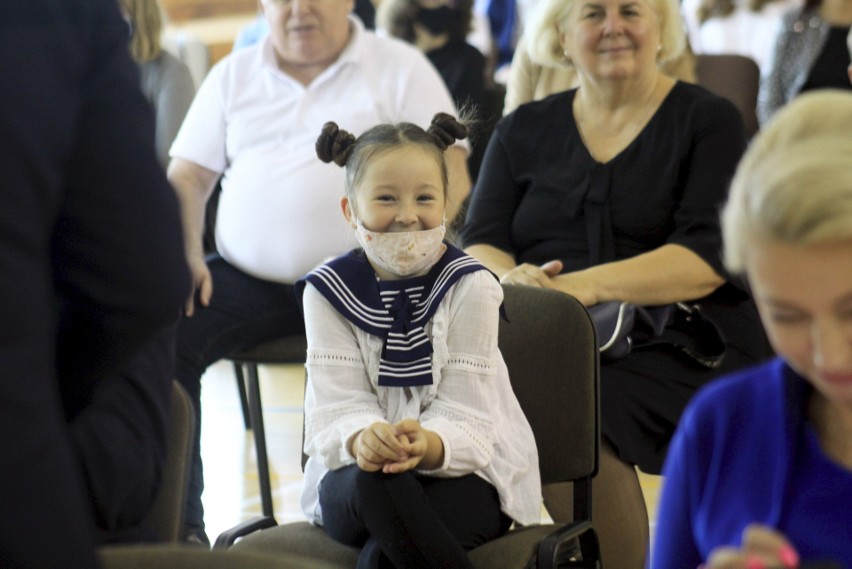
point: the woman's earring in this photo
(568, 59)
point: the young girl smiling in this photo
(419, 450)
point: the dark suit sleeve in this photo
(117, 243)
(91, 261)
(120, 440)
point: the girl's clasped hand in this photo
(390, 448)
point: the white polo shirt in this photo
(279, 213)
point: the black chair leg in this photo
(241, 387)
(256, 413)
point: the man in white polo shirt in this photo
(254, 123)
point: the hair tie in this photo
(445, 130)
(334, 144)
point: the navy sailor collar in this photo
(395, 311)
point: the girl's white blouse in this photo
(470, 404)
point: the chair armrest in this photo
(228, 537)
(558, 548)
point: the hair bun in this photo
(334, 144)
(445, 129)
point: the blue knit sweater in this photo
(744, 452)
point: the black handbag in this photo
(615, 322)
(623, 326)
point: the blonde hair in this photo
(146, 17)
(794, 183)
(548, 20)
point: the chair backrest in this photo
(166, 515)
(735, 77)
(550, 349)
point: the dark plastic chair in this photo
(550, 349)
(166, 515)
(735, 77)
(289, 350)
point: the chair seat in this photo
(300, 538)
(190, 557)
(514, 549)
(288, 350)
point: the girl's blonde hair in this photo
(549, 18)
(794, 183)
(146, 17)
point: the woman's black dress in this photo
(539, 186)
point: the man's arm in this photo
(194, 184)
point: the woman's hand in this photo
(378, 445)
(578, 285)
(533, 275)
(763, 548)
(548, 276)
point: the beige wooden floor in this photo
(231, 494)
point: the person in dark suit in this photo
(92, 276)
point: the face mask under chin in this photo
(404, 254)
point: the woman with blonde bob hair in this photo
(540, 66)
(548, 23)
(759, 473)
(610, 192)
(165, 80)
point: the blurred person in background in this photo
(810, 53)
(166, 80)
(439, 29)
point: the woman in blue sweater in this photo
(759, 473)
